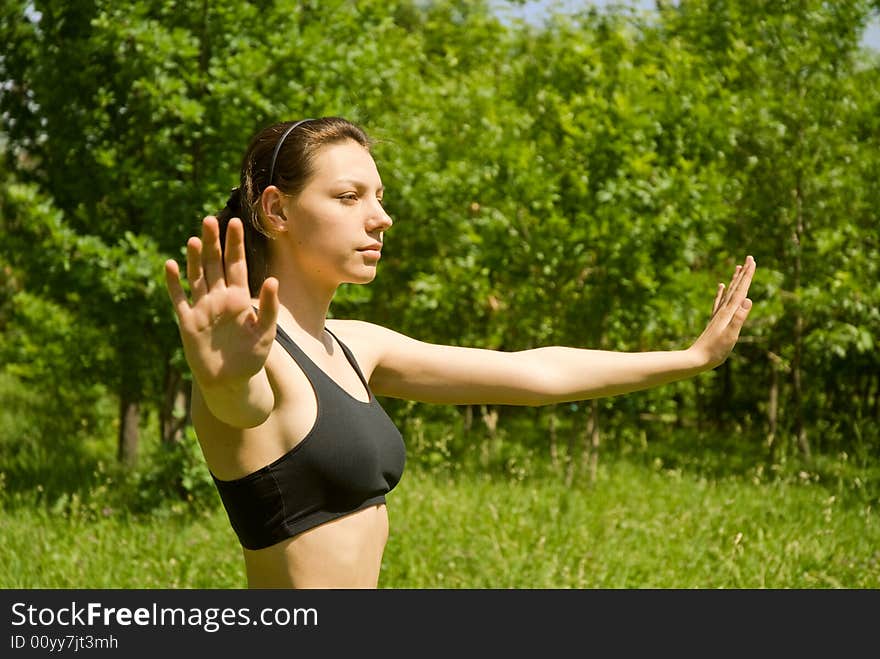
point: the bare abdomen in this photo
(343, 553)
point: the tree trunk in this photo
(490, 420)
(877, 398)
(129, 432)
(678, 399)
(593, 433)
(698, 399)
(724, 397)
(590, 453)
(773, 406)
(468, 419)
(174, 413)
(202, 92)
(551, 431)
(798, 338)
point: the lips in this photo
(373, 247)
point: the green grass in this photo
(40, 549)
(637, 526)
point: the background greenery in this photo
(584, 182)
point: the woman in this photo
(284, 398)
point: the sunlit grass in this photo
(637, 526)
(39, 549)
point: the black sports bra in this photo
(349, 460)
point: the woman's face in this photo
(336, 224)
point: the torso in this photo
(345, 552)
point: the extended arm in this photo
(426, 372)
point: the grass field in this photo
(637, 526)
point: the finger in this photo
(740, 315)
(212, 256)
(738, 292)
(234, 257)
(268, 313)
(740, 289)
(726, 296)
(194, 272)
(718, 296)
(175, 290)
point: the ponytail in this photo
(255, 242)
(234, 202)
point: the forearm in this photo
(571, 374)
(240, 404)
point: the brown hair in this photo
(293, 168)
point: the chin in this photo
(363, 277)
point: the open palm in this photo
(729, 312)
(224, 339)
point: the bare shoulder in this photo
(355, 329)
(368, 341)
(366, 330)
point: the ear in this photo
(272, 203)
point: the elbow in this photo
(543, 387)
(236, 409)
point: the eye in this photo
(348, 196)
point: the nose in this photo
(379, 218)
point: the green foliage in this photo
(585, 183)
(174, 473)
(51, 431)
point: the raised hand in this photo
(225, 341)
(729, 312)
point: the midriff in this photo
(343, 553)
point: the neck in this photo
(306, 299)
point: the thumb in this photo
(269, 304)
(741, 313)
